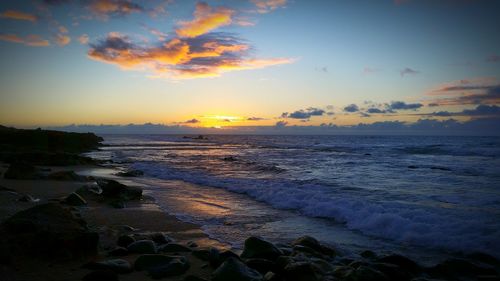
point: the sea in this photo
(427, 197)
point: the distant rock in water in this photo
(48, 230)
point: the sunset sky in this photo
(248, 63)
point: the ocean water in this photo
(426, 195)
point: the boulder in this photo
(27, 198)
(302, 271)
(393, 272)
(49, 230)
(160, 238)
(403, 262)
(261, 265)
(87, 190)
(233, 269)
(173, 247)
(75, 200)
(176, 266)
(142, 247)
(454, 267)
(65, 176)
(118, 252)
(115, 190)
(125, 240)
(101, 275)
(201, 254)
(115, 265)
(365, 273)
(259, 248)
(216, 257)
(314, 244)
(21, 171)
(146, 262)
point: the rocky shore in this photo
(57, 224)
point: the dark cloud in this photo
(408, 71)
(192, 121)
(374, 110)
(400, 105)
(330, 113)
(255, 119)
(351, 108)
(433, 104)
(56, 2)
(304, 113)
(489, 111)
(280, 124)
(468, 94)
(112, 7)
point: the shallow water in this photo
(428, 194)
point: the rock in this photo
(302, 271)
(160, 238)
(118, 252)
(484, 258)
(201, 254)
(176, 266)
(21, 171)
(307, 251)
(271, 276)
(392, 271)
(115, 265)
(261, 265)
(49, 230)
(142, 247)
(403, 262)
(116, 190)
(365, 273)
(148, 261)
(312, 243)
(125, 240)
(173, 247)
(65, 176)
(233, 269)
(192, 244)
(259, 248)
(216, 258)
(368, 254)
(193, 278)
(27, 198)
(117, 204)
(75, 200)
(131, 173)
(89, 190)
(101, 275)
(454, 267)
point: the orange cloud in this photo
(113, 7)
(17, 15)
(30, 40)
(266, 6)
(62, 40)
(83, 39)
(205, 19)
(208, 55)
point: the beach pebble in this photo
(173, 247)
(75, 200)
(125, 240)
(101, 275)
(233, 269)
(148, 261)
(116, 265)
(256, 247)
(175, 267)
(143, 247)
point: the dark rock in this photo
(148, 261)
(193, 278)
(302, 271)
(192, 244)
(365, 273)
(283, 261)
(176, 266)
(117, 204)
(130, 173)
(173, 247)
(49, 230)
(21, 171)
(216, 257)
(27, 198)
(201, 254)
(233, 269)
(142, 247)
(116, 190)
(484, 258)
(118, 252)
(125, 240)
(259, 248)
(271, 276)
(160, 238)
(89, 190)
(368, 254)
(308, 251)
(75, 200)
(101, 275)
(116, 265)
(312, 243)
(403, 262)
(261, 265)
(454, 267)
(65, 176)
(392, 271)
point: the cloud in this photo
(266, 6)
(479, 111)
(351, 108)
(466, 92)
(374, 110)
(408, 71)
(62, 40)
(29, 40)
(56, 2)
(83, 39)
(304, 114)
(493, 58)
(17, 15)
(191, 121)
(255, 119)
(323, 69)
(205, 19)
(433, 104)
(208, 55)
(281, 124)
(370, 70)
(105, 8)
(399, 105)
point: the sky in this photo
(250, 65)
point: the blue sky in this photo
(247, 63)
